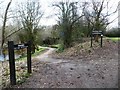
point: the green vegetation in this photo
(37, 52)
(113, 38)
(59, 47)
(55, 46)
(23, 78)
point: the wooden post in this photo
(101, 40)
(29, 57)
(12, 62)
(91, 39)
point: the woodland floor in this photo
(77, 67)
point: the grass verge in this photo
(37, 52)
(113, 38)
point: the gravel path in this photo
(95, 72)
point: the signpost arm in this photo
(29, 57)
(12, 62)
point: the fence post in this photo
(101, 40)
(29, 57)
(12, 62)
(91, 39)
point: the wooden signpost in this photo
(94, 33)
(11, 48)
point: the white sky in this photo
(50, 19)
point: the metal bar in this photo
(12, 62)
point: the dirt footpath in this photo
(98, 70)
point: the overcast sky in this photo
(49, 19)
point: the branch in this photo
(56, 5)
(4, 23)
(76, 20)
(112, 21)
(13, 33)
(88, 18)
(111, 13)
(101, 8)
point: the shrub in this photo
(60, 48)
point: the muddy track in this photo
(95, 72)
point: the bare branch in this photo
(13, 33)
(76, 20)
(4, 24)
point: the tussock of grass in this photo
(37, 52)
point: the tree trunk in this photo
(96, 38)
(33, 49)
(68, 36)
(3, 27)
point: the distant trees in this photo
(50, 35)
(113, 32)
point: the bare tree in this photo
(30, 15)
(4, 25)
(96, 15)
(67, 18)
